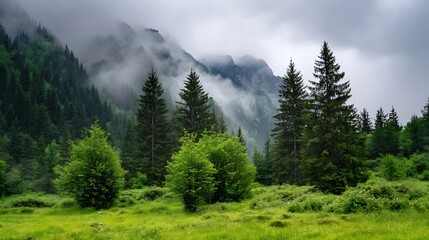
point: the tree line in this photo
(46, 101)
(321, 139)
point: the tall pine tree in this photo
(152, 131)
(289, 127)
(365, 124)
(194, 111)
(334, 146)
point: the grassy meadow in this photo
(374, 210)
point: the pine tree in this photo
(268, 162)
(391, 133)
(194, 110)
(289, 127)
(129, 157)
(263, 172)
(425, 117)
(377, 147)
(334, 145)
(240, 136)
(365, 124)
(394, 120)
(152, 131)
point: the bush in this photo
(94, 175)
(393, 168)
(190, 174)
(234, 172)
(152, 193)
(139, 181)
(31, 202)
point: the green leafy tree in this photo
(234, 171)
(269, 162)
(152, 131)
(94, 175)
(289, 127)
(194, 109)
(334, 146)
(191, 174)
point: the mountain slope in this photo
(245, 91)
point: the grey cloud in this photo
(388, 39)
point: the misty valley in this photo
(131, 137)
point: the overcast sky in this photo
(382, 45)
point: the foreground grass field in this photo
(283, 212)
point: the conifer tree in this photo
(425, 118)
(394, 120)
(194, 109)
(263, 172)
(334, 146)
(365, 124)
(289, 127)
(240, 136)
(152, 131)
(377, 147)
(268, 162)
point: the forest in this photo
(65, 147)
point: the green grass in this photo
(265, 216)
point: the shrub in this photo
(94, 175)
(139, 181)
(392, 168)
(31, 202)
(191, 174)
(152, 193)
(234, 172)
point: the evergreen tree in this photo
(221, 125)
(240, 137)
(412, 138)
(129, 159)
(152, 131)
(425, 119)
(263, 172)
(365, 124)
(194, 110)
(394, 120)
(377, 147)
(334, 146)
(289, 127)
(269, 165)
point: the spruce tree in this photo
(425, 118)
(152, 131)
(240, 136)
(194, 110)
(377, 147)
(394, 120)
(268, 165)
(365, 124)
(263, 172)
(289, 127)
(334, 146)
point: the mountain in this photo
(46, 101)
(245, 90)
